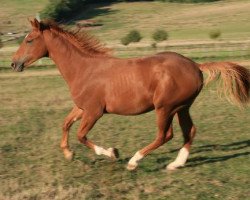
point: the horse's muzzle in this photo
(17, 66)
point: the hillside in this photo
(182, 21)
(14, 14)
(188, 26)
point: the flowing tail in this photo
(235, 80)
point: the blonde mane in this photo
(80, 39)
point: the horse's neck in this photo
(70, 61)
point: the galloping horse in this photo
(100, 83)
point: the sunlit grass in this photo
(32, 165)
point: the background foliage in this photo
(214, 34)
(160, 35)
(63, 9)
(132, 36)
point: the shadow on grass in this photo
(223, 147)
(200, 160)
(160, 163)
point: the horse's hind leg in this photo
(74, 115)
(188, 130)
(165, 133)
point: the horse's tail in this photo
(235, 80)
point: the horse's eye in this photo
(29, 41)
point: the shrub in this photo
(214, 34)
(62, 9)
(160, 35)
(154, 45)
(125, 41)
(132, 36)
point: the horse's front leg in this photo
(87, 123)
(73, 116)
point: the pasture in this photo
(35, 102)
(229, 16)
(33, 167)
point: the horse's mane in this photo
(80, 39)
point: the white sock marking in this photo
(135, 159)
(102, 151)
(180, 159)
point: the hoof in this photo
(69, 155)
(131, 167)
(114, 153)
(173, 166)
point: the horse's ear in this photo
(35, 24)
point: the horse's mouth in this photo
(18, 66)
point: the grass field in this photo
(33, 167)
(14, 14)
(182, 21)
(34, 104)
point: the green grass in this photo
(182, 21)
(17, 12)
(33, 167)
(198, 52)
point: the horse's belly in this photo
(129, 105)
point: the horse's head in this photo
(32, 48)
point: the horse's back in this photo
(178, 78)
(140, 84)
(170, 65)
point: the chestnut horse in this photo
(100, 83)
